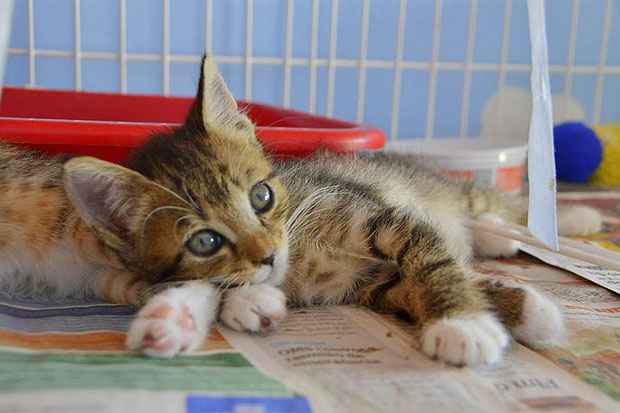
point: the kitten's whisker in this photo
(174, 194)
(232, 281)
(177, 222)
(159, 209)
(308, 205)
(191, 199)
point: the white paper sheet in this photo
(542, 220)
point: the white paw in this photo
(466, 341)
(541, 321)
(491, 246)
(164, 328)
(579, 220)
(254, 308)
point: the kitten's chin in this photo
(273, 274)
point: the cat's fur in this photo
(375, 230)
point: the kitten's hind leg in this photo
(174, 321)
(573, 220)
(532, 318)
(491, 246)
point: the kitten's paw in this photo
(164, 328)
(255, 308)
(541, 321)
(466, 341)
(491, 246)
(579, 220)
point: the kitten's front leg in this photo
(174, 321)
(434, 289)
(253, 308)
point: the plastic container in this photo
(498, 165)
(110, 126)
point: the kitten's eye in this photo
(205, 243)
(261, 197)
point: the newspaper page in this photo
(591, 349)
(352, 360)
(605, 244)
(604, 277)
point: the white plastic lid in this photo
(452, 153)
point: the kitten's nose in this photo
(268, 260)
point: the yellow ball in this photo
(608, 171)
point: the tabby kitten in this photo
(209, 213)
(375, 230)
(202, 205)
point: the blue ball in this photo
(578, 152)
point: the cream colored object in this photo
(500, 120)
(495, 164)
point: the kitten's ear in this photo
(108, 197)
(214, 105)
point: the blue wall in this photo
(54, 30)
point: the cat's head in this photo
(201, 202)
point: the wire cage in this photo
(415, 68)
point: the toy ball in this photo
(608, 172)
(578, 152)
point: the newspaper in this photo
(604, 277)
(352, 360)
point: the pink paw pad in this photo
(163, 330)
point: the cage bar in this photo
(304, 62)
(570, 60)
(361, 65)
(122, 57)
(503, 66)
(209, 27)
(313, 56)
(467, 69)
(32, 79)
(249, 28)
(165, 49)
(432, 84)
(331, 67)
(600, 72)
(400, 45)
(290, 9)
(77, 32)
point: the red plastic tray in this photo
(110, 126)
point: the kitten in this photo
(204, 207)
(375, 230)
(207, 213)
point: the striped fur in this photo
(389, 232)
